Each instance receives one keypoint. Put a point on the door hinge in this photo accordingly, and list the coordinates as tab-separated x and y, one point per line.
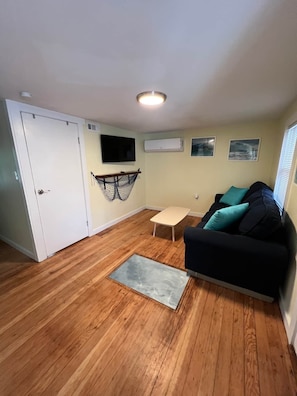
78	140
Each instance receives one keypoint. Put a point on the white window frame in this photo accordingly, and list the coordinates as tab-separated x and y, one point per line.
285	165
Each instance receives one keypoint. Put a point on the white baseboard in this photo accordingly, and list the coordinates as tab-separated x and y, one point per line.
115	221
196	214
159	208
18	247
285	318
289	322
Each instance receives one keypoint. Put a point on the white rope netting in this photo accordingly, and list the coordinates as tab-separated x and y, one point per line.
118	186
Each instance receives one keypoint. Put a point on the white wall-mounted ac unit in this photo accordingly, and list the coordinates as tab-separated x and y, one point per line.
159	145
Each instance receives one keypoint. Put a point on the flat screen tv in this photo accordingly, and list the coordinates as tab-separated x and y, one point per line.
117	148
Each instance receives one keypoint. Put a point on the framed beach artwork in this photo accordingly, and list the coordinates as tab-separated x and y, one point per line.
244	149
203	146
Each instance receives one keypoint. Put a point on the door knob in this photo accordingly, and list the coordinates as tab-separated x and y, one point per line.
40	192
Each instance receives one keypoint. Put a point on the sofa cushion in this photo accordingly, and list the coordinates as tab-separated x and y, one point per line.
262	218
223	218
215	206
257	186
233	196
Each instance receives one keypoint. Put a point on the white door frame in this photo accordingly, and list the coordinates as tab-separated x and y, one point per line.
14	110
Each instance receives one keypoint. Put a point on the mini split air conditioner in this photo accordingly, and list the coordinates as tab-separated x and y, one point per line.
175	144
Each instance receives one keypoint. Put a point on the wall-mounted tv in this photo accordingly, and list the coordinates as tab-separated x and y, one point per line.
117	148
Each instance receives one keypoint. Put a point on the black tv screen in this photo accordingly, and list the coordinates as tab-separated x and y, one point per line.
117	148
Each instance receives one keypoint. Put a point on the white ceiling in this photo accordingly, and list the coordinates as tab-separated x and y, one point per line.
217	61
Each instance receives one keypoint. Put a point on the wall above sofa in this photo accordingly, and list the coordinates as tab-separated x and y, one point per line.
174	178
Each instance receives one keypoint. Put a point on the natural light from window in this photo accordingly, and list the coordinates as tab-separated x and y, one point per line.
285	164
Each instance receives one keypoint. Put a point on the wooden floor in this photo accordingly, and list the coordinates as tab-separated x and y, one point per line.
66	329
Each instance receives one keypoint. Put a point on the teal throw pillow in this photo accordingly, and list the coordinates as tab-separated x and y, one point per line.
223	218
233	196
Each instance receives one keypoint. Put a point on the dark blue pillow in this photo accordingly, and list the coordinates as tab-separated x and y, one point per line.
262	218
257	186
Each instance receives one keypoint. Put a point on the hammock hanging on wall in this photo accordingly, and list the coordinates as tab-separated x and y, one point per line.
117	185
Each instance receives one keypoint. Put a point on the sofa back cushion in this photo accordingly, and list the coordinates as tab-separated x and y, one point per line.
257	186
262	218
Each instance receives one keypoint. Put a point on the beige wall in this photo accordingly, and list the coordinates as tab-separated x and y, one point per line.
104	212
174	178
289	292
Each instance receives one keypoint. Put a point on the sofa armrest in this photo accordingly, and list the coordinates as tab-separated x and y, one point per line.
218	197
236	259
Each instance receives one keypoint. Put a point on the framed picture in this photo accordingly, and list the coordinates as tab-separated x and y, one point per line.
203	146
244	149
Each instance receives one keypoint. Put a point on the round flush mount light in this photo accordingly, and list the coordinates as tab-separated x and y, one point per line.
25	94
151	98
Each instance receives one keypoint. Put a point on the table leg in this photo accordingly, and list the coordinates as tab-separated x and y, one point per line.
154	232
173	236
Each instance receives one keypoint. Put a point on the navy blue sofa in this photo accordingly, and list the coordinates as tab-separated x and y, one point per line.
251	255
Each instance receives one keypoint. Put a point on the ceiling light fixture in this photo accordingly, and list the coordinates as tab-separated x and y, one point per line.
151	98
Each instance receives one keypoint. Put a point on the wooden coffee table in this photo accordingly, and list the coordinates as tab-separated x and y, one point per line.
170	216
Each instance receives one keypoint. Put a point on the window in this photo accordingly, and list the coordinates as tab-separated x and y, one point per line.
284	166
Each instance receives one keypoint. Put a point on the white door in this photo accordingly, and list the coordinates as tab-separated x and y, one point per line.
53	148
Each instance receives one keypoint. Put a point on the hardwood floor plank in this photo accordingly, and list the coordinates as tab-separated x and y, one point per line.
194	376
145	346
76	324
27	302
67	329
68	369
252	386
283	379
173	370
100	360
237	367
208	373
223	366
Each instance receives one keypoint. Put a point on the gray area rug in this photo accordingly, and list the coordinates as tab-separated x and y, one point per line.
155	280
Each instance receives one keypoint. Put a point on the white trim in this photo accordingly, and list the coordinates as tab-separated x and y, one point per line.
126	216
85	173
117	220
285	318
14	110
18	247
290	321
160	208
